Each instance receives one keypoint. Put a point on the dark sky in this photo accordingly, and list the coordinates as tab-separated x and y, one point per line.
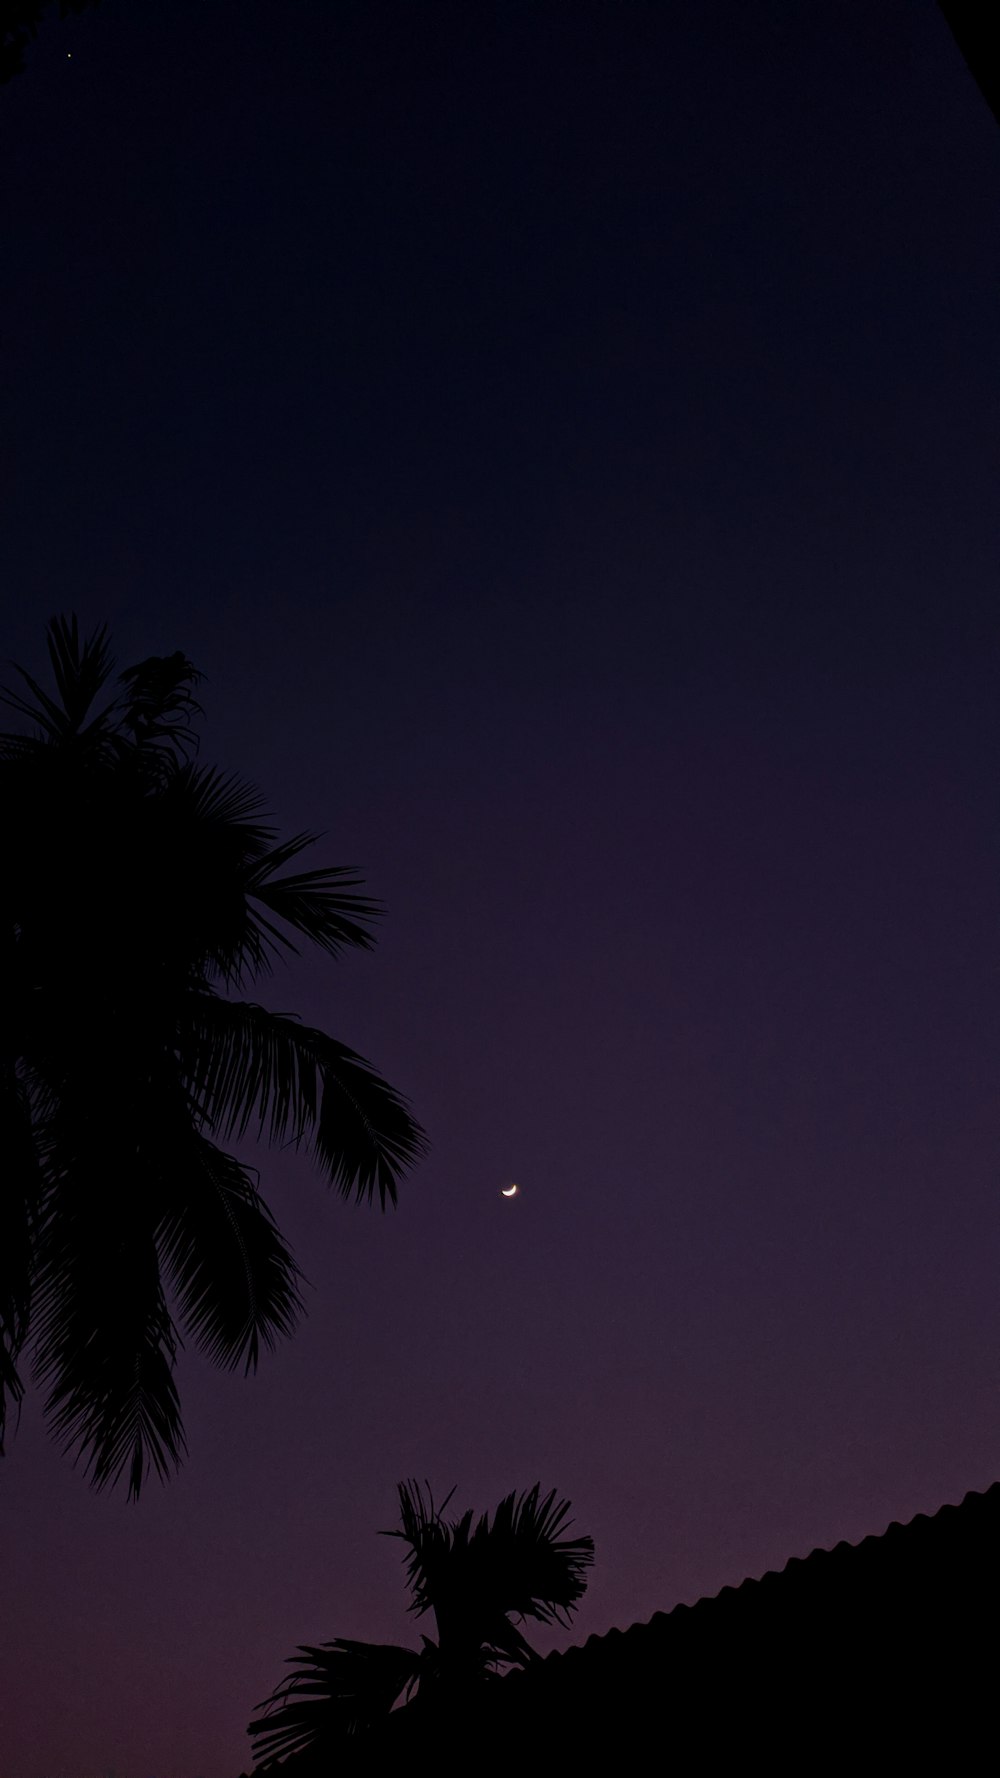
566	437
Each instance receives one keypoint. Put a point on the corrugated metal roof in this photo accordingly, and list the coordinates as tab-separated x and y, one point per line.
889	1638
952	1549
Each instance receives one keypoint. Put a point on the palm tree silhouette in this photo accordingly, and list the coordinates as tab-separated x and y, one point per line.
475	1576
141	892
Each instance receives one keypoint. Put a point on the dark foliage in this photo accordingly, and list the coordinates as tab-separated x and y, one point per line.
19	22
475	1576
142	892
974	28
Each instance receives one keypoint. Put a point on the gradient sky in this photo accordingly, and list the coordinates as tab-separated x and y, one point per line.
565	435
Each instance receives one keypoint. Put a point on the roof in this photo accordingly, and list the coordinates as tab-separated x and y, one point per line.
899	1629
902	1574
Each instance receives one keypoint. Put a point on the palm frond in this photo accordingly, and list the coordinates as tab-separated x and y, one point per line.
524	1562
253	1066
44	712
475	1574
502	1645
104	1341
136	885
336	1691
20	1205
246	1068
365	1136
80	670
159	703
234	1276
319	905
453	1568
429	1539
222	800
250	913
16	748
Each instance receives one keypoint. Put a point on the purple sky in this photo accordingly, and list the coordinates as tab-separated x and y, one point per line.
565	436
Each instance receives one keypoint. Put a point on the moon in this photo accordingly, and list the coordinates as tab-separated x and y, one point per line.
508	1191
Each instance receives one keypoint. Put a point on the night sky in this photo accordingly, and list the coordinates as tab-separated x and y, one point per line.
565	435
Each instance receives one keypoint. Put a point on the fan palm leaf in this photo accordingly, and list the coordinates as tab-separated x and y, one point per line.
519	1559
474	1575
336	1690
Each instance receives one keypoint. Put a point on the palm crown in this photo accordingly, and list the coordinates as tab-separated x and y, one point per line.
475	1576
143	894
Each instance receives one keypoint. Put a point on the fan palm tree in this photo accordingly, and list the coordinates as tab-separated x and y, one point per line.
476	1576
142	894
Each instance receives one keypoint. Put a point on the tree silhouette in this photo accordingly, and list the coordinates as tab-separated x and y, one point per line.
19	22
475	1576
970	24
142	891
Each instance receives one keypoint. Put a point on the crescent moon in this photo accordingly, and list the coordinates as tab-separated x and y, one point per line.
508	1191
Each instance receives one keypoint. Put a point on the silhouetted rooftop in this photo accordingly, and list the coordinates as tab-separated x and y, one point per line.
894	1637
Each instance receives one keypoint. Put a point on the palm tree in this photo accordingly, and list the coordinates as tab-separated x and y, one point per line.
142	893
475	1576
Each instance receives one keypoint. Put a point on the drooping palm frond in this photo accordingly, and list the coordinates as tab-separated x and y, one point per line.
137	885
365	1136
104	1340
252	1067
336	1691
235	1278
20	1206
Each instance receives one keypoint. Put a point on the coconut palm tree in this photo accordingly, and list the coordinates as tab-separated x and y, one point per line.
142	893
475	1576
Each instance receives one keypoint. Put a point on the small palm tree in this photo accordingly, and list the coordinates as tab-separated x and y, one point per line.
141	893
475	1576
